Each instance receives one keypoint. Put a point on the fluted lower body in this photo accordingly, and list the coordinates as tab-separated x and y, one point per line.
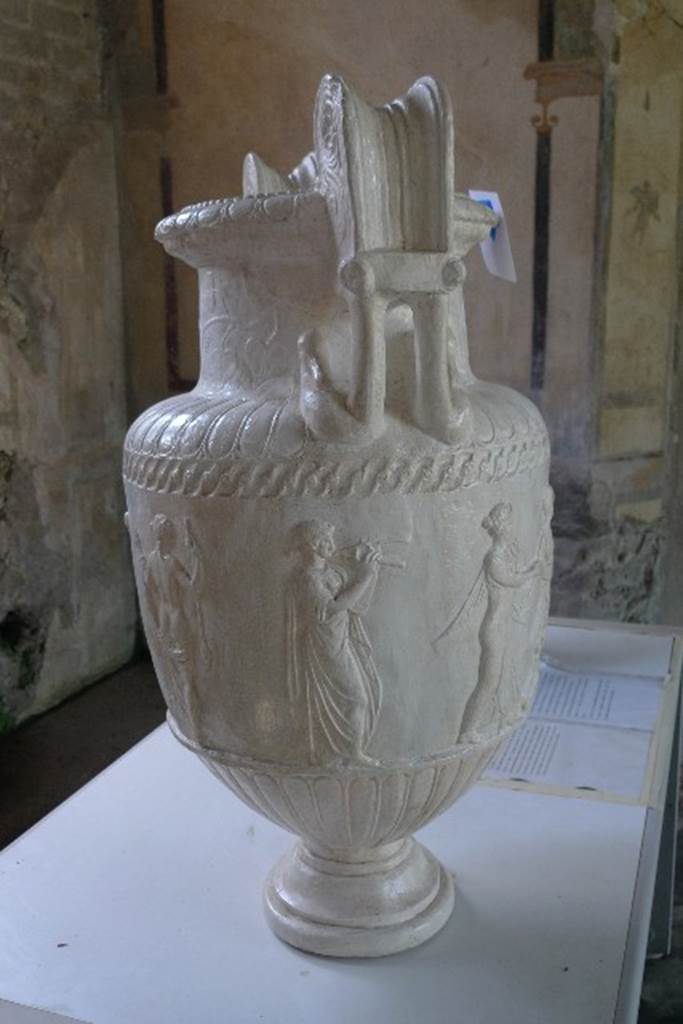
357	884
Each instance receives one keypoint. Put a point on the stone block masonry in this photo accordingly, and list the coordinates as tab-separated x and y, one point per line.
67	611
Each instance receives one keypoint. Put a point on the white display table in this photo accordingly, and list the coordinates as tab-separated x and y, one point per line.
138	900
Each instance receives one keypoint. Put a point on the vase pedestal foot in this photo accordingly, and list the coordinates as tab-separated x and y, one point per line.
358	903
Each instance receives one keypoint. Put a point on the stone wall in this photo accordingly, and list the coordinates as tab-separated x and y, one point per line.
67	610
619	518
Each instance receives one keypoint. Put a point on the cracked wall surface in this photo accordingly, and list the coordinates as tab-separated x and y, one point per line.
67	610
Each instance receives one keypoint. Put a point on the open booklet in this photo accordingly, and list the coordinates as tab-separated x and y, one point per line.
585	731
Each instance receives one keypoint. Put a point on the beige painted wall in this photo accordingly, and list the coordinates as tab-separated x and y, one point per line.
567	401
642	283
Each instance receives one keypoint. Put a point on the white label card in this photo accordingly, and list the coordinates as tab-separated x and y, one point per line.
585	730
496	248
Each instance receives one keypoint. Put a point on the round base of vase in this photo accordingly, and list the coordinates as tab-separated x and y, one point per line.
370	903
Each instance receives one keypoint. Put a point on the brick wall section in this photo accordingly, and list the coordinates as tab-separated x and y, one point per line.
67	612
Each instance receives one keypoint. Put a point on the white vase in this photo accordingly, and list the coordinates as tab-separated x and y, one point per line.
341	537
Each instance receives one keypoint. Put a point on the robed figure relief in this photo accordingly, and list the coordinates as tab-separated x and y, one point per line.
497	585
537	617
530	611
172	581
331	672
544	573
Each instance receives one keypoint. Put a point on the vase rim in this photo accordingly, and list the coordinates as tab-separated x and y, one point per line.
241	211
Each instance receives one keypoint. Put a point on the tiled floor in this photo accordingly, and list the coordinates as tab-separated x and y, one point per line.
48	759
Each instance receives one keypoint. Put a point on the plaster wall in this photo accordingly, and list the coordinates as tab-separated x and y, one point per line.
67	610
624	556
642	283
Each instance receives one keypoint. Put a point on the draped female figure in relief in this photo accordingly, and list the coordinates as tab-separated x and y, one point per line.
544	560
329	658
497	583
502	576
171	581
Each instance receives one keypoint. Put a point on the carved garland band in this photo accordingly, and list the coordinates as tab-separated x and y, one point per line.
295	478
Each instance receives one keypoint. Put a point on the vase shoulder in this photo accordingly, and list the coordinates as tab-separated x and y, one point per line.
258	446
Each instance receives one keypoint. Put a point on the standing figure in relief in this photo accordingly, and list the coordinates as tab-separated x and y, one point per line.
171	585
329	656
502	578
498	581
530	612
544	572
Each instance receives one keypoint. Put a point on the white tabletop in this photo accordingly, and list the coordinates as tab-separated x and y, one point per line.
138	902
